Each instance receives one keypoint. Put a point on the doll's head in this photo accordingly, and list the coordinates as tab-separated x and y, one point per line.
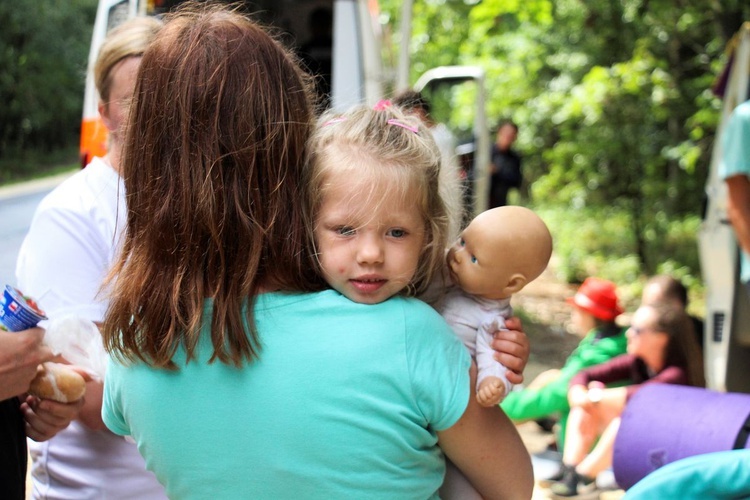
379	223
500	251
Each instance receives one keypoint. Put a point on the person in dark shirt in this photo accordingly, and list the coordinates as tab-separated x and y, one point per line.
505	166
317	53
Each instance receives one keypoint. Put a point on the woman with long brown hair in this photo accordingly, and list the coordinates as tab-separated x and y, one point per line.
233	369
662	348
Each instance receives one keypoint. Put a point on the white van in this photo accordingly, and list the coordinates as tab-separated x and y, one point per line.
727	325
351	47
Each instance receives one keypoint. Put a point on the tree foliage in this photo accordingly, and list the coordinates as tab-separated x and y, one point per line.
613	99
43	52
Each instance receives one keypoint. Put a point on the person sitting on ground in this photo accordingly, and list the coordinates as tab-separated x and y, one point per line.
661	349
665	288
595	307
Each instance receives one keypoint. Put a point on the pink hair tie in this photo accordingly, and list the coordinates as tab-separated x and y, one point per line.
334	120
397	123
382	104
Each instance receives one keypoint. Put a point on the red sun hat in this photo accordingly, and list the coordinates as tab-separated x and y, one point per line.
597	297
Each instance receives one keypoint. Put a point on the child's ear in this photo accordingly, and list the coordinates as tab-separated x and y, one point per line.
515	283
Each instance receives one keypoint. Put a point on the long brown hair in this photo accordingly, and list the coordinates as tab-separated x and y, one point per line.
682	349
215	145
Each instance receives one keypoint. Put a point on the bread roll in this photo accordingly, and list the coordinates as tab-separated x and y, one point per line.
57	382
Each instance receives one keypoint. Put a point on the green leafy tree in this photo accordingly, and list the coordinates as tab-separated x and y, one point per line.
43	53
613	99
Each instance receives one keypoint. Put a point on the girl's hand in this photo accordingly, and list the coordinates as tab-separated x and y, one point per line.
512	349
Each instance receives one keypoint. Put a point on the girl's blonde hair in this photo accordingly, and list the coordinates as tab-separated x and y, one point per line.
382	148
130	39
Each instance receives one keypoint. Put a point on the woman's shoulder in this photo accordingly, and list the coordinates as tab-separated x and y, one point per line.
92	187
408	313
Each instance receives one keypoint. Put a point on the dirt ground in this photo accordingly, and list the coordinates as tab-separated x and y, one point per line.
546	314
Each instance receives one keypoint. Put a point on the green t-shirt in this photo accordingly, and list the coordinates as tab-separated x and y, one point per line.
344	402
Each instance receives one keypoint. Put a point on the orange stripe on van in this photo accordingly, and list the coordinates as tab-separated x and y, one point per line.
93	139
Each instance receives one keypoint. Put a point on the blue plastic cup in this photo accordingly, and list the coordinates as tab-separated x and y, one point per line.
16	313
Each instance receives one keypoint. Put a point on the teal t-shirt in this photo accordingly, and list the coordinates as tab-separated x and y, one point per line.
717	475
344	402
735	160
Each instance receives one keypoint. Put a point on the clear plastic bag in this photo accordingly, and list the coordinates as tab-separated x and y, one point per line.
79	341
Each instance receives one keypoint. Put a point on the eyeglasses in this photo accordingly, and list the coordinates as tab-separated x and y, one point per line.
638	331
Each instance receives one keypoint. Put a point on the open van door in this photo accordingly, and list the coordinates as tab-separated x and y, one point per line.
727	325
457	99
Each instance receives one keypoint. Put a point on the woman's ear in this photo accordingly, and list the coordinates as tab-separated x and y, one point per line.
103	109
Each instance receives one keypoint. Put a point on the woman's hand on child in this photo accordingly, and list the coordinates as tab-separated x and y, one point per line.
512	349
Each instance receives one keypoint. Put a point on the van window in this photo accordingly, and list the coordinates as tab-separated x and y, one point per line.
305	26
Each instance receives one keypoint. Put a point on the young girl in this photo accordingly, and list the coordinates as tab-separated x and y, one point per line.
379	221
233	377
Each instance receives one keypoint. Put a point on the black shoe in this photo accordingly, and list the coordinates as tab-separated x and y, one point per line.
554	478
546	423
573	484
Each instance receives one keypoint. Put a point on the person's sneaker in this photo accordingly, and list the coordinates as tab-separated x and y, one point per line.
546	423
557	476
573	485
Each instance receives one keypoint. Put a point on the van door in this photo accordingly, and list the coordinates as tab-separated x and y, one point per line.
727	325
457	98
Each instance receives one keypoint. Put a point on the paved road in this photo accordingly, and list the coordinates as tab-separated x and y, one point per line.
17	205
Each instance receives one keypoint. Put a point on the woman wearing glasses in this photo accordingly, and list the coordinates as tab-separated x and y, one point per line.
661	349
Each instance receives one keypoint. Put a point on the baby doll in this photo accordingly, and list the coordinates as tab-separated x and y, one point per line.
500	251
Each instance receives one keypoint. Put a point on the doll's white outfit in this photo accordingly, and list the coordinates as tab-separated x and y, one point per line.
474	320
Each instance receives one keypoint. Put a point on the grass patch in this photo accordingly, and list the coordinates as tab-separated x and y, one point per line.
33	165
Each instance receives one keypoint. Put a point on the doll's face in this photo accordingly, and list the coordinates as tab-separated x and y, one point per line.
476	265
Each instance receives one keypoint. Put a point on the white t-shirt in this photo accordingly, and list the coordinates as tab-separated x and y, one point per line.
71	244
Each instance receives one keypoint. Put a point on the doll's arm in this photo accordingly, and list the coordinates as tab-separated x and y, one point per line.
492	382
512	349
